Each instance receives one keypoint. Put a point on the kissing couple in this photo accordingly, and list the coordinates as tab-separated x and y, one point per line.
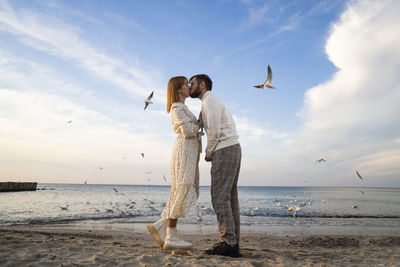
223	151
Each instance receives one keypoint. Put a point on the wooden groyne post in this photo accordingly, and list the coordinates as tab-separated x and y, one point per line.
17	186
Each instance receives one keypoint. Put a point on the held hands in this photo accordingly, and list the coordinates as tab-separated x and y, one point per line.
200	120
200	123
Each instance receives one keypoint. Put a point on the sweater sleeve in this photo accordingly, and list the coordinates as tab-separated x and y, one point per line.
212	113
182	123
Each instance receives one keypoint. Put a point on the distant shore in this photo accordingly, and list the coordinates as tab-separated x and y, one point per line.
17	186
60	246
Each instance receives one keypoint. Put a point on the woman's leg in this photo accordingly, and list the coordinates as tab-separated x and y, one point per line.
172	222
172	241
159	230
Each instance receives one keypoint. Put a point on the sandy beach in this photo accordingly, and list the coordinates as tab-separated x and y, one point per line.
42	246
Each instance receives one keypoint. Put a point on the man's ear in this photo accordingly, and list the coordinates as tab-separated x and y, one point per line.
202	84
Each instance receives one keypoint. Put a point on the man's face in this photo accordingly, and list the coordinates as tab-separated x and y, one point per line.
194	89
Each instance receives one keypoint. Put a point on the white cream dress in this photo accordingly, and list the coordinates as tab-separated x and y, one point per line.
184	166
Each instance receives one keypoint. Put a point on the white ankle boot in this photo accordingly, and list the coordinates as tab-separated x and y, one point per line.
159	230
172	241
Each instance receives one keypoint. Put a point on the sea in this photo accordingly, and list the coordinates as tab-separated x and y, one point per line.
264	209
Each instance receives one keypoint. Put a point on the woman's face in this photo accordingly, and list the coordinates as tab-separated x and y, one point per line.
184	90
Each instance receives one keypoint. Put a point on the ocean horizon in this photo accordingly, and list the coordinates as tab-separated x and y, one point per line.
261	207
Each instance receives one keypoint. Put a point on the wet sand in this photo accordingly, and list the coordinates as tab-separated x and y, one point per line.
49	246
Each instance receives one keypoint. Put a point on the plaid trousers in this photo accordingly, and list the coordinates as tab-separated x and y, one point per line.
225	168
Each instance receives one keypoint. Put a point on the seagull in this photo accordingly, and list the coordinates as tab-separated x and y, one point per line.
117	192
280	206
64	208
123	157
100	167
275	200
267	83
319	160
354	206
148	100
85	181
294	208
302	204
165	179
251	213
69	121
149	172
362	192
359	176
142	155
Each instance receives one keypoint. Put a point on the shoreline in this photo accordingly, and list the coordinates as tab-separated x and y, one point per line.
46	246
206	229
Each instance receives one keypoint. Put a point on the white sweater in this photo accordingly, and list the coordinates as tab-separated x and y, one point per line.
218	123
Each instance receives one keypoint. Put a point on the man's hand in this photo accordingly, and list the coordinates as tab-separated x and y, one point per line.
208	159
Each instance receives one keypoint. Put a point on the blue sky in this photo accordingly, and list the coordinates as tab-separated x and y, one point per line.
335	66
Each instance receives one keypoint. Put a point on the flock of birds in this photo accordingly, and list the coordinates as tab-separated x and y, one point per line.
147	102
290	207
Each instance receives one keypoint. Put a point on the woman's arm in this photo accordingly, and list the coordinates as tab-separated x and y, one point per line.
183	124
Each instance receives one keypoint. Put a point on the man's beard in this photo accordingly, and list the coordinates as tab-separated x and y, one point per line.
195	93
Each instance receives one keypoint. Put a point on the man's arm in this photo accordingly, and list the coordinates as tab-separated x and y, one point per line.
212	112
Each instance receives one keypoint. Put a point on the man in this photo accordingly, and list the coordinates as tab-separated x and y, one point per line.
224	152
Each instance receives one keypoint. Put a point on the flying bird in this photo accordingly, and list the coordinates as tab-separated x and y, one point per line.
142	155
100	167
149	172
320	160
267	83
147	101
165	179
296	208
117	192
64	208
69	121
359	176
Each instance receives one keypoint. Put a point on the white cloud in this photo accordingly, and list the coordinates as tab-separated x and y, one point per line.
57	38
252	130
353	118
35	130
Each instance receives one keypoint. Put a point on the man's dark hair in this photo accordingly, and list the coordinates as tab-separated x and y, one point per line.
203	78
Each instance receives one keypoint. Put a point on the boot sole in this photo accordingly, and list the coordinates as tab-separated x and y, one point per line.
153	231
166	246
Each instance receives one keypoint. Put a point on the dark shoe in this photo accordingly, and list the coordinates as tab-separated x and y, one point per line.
224	249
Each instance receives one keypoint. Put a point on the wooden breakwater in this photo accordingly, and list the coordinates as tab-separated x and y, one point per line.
17	186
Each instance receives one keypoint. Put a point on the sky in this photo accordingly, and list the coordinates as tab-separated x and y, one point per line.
335	67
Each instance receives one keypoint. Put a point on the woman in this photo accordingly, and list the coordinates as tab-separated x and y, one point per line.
184	167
